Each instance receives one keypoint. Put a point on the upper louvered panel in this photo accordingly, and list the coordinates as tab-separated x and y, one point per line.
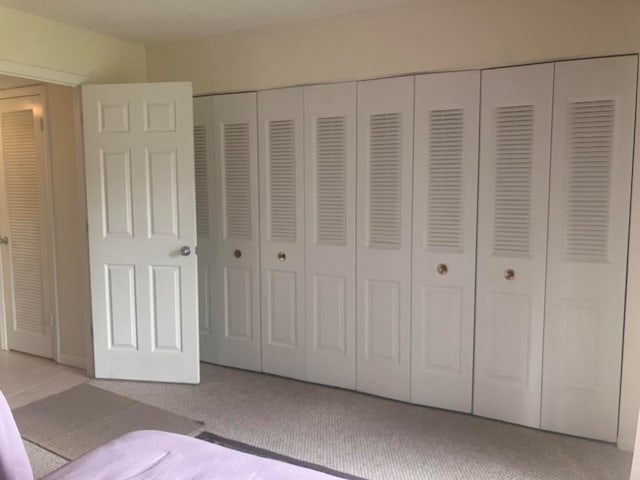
590	146
513	187
385	177
331	180
282	180
445	215
237	181
202	185
23	201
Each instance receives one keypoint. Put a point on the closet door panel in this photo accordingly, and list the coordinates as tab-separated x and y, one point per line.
592	155
280	119
206	223
385	144
512	240
444	238
330	233
236	299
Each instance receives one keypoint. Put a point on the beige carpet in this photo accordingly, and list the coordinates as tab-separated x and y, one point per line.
82	418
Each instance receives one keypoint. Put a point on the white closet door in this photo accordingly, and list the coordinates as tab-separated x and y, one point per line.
444	238
205	222
593	130
512	238
280	117
385	158
330	224
236	282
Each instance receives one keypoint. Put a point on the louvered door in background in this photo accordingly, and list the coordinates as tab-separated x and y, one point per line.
281	152
26	261
236	298
385	144
593	130
445	178
206	224
330	224
512	238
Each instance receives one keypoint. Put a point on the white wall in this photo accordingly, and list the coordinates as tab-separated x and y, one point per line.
69	211
421	36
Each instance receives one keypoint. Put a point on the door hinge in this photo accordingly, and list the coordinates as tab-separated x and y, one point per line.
41	124
196	249
51	320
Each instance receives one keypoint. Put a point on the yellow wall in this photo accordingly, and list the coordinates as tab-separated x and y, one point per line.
29	41
425	36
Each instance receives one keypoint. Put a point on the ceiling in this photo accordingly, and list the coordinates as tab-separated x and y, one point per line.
165	21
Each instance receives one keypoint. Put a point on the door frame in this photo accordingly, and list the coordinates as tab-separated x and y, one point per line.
50	269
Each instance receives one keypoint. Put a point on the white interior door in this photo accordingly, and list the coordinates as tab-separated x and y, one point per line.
330	222
512	239
139	156
206	223
281	152
385	160
26	266
593	131
445	179
236	299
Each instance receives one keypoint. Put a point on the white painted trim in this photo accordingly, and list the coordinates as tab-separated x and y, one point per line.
41	74
72	361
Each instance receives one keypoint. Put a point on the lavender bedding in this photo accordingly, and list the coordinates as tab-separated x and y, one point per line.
159	455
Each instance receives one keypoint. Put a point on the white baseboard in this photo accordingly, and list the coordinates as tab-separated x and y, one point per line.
626	444
72	361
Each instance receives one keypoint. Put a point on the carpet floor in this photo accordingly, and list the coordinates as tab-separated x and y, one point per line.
372	437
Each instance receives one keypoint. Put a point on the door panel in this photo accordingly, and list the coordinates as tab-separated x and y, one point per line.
512	242
206	223
236	277
444	238
385	141
281	152
592	155
139	146
330	225
26	274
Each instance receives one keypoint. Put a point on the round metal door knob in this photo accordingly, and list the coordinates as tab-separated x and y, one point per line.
282	256
185	251
442	269
510	274
237	253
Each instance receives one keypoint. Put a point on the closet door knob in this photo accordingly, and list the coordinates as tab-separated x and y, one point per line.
510	274
185	251
282	256
237	253
442	269
4	240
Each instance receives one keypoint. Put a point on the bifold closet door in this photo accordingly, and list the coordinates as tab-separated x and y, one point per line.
385	158
206	223
236	280
330	223
593	131
512	238
445	179
281	151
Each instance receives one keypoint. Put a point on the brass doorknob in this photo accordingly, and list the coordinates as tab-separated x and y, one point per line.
442	269
237	253
510	274
282	256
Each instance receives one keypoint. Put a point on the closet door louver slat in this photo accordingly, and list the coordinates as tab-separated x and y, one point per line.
444	230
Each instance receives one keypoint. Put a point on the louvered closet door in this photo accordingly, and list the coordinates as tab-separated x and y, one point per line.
444	238
330	224
236	282
385	144
26	276
205	222
280	117
593	130
512	239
